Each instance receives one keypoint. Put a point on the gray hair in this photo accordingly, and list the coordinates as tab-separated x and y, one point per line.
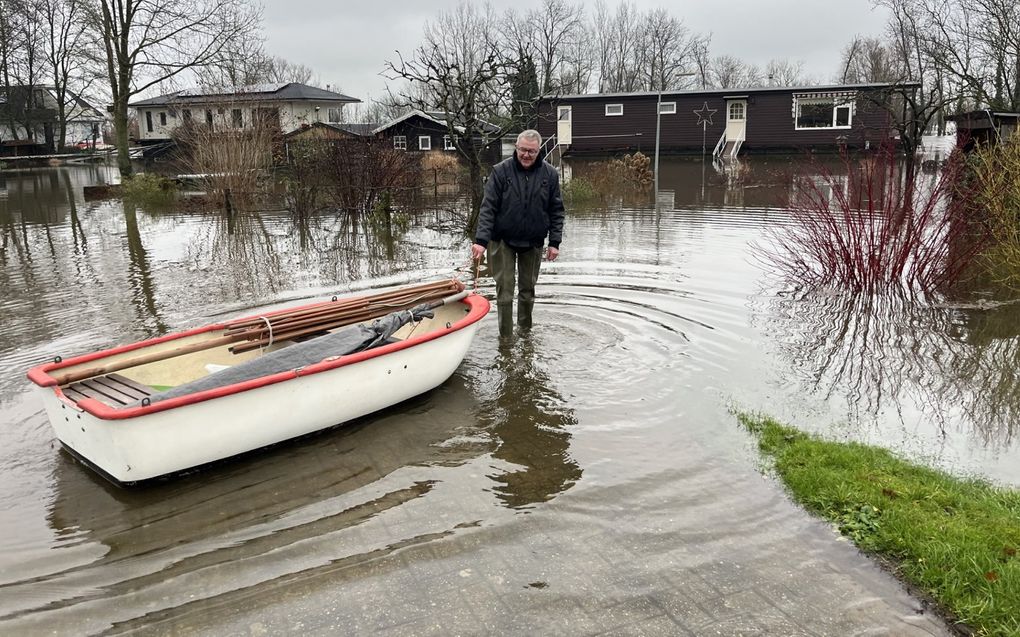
531	135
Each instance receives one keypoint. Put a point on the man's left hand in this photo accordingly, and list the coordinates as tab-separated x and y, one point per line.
552	253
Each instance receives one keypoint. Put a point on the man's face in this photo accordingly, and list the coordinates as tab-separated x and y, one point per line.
527	152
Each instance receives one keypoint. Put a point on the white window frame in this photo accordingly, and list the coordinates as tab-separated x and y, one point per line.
667	108
732	106
424	142
334	115
611	110
400	142
448	143
838	103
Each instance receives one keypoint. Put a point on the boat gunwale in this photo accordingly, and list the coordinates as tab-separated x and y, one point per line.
40	375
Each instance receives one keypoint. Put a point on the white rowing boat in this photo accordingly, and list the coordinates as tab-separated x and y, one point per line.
172	403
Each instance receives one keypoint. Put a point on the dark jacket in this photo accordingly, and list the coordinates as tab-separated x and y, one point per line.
521	207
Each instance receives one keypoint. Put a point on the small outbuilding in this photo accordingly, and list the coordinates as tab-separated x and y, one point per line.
985	127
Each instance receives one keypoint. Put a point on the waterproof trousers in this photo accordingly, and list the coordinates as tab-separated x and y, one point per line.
508	266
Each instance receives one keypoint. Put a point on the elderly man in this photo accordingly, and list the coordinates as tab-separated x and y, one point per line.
521	207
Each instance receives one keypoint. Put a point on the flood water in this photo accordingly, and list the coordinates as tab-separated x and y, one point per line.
588	478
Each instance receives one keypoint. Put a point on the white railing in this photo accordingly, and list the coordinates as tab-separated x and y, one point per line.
549	146
719	147
736	148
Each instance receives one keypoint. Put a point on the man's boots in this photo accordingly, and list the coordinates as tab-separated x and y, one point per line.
524	309
505	314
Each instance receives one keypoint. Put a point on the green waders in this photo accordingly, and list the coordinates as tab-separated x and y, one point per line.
508	265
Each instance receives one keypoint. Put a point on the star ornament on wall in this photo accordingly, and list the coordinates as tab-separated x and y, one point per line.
705	115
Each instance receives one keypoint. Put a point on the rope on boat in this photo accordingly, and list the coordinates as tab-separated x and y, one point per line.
269	326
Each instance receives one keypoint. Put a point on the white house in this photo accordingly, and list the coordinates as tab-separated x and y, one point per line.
286	105
36	108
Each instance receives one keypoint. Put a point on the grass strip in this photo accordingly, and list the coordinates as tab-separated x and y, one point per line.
956	539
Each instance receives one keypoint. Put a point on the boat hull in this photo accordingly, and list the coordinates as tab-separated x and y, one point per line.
158	442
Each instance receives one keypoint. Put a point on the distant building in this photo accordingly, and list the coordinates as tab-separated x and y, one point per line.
33	112
985	127
285	106
426	131
723	122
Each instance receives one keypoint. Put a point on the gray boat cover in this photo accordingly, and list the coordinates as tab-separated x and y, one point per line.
349	340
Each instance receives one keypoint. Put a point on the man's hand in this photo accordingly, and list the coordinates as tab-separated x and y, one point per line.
477	250
552	253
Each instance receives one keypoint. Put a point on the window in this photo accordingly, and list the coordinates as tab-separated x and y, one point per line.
400	142
448	143
186	114
736	111
614	109
162	119
830	111
667	108
334	115
424	142
236	118
148	121
208	118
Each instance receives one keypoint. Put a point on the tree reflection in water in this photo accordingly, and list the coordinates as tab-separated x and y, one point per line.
270	251
954	360
530	422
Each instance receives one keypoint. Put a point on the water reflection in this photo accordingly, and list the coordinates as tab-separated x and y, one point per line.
954	360
117	553
143	293
531	423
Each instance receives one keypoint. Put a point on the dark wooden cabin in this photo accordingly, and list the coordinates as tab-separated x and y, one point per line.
421	131
985	127
727	122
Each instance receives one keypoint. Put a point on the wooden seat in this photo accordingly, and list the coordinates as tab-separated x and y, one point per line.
113	390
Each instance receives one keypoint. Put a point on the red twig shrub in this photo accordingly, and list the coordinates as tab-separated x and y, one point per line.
876	227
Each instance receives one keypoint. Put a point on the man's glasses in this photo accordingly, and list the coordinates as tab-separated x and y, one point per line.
527	152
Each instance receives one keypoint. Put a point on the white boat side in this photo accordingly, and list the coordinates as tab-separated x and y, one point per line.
140	443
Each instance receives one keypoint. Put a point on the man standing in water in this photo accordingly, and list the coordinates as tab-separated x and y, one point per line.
522	205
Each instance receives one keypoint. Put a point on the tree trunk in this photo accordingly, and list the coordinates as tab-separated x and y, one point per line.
120	127
477	192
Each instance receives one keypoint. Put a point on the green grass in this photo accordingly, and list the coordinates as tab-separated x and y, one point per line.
956	539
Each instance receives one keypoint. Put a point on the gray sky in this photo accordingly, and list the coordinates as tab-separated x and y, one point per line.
346	43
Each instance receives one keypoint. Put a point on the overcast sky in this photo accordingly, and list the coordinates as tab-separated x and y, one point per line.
347	42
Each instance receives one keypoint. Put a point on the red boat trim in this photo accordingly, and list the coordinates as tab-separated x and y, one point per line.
479	307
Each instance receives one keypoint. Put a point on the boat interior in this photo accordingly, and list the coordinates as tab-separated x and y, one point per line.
125	378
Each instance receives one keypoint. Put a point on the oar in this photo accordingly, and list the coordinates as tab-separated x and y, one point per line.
244	338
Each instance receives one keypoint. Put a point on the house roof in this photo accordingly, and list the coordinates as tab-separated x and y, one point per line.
280	92
737	91
361	130
78	110
437	117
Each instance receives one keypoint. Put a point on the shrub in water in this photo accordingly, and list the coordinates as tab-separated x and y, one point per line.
876	229
146	188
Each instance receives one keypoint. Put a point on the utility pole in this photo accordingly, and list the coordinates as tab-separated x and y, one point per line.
658	127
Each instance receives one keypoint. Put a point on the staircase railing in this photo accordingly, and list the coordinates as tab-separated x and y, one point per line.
549	146
719	147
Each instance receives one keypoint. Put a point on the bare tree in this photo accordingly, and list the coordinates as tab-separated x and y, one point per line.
668	51
463	71
70	51
623	48
553	26
153	41
727	71
783	72
21	48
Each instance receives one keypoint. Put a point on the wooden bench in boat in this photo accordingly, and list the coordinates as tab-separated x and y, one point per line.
112	389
